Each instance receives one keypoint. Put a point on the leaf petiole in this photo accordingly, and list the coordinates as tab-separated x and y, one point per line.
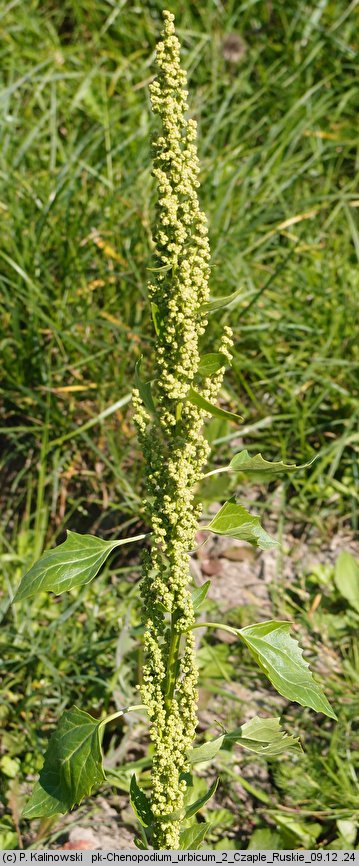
220	625
120	713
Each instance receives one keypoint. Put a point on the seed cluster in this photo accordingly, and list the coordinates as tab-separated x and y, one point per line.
172	440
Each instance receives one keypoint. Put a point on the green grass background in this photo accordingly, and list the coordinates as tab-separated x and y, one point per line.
278	143
278	146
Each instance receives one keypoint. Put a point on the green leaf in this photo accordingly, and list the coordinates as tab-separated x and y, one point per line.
211	363
188	778
243	462
145	389
264	839
199	594
198	804
155	317
206	751
8	836
218	303
234	520
197	400
281	659
224	843
73	563
346	578
161	269
140	804
264	737
348	828
140	843
290	826
72	767
191	838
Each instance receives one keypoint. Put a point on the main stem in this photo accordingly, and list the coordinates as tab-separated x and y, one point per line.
174	446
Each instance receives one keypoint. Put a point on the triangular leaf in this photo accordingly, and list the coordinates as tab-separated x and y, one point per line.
264	737
144	388
218	303
191	838
346	577
197	400
73	563
234	520
281	659
140	804
211	363
206	751
195	807
72	767
199	594
243	462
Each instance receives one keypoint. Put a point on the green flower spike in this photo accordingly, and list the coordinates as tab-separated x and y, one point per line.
172	440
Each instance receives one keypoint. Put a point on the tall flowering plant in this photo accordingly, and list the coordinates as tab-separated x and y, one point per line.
172	438
170	412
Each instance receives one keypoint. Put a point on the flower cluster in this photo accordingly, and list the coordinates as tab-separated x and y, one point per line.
172	440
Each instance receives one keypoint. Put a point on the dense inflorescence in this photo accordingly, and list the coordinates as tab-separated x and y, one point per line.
172	440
